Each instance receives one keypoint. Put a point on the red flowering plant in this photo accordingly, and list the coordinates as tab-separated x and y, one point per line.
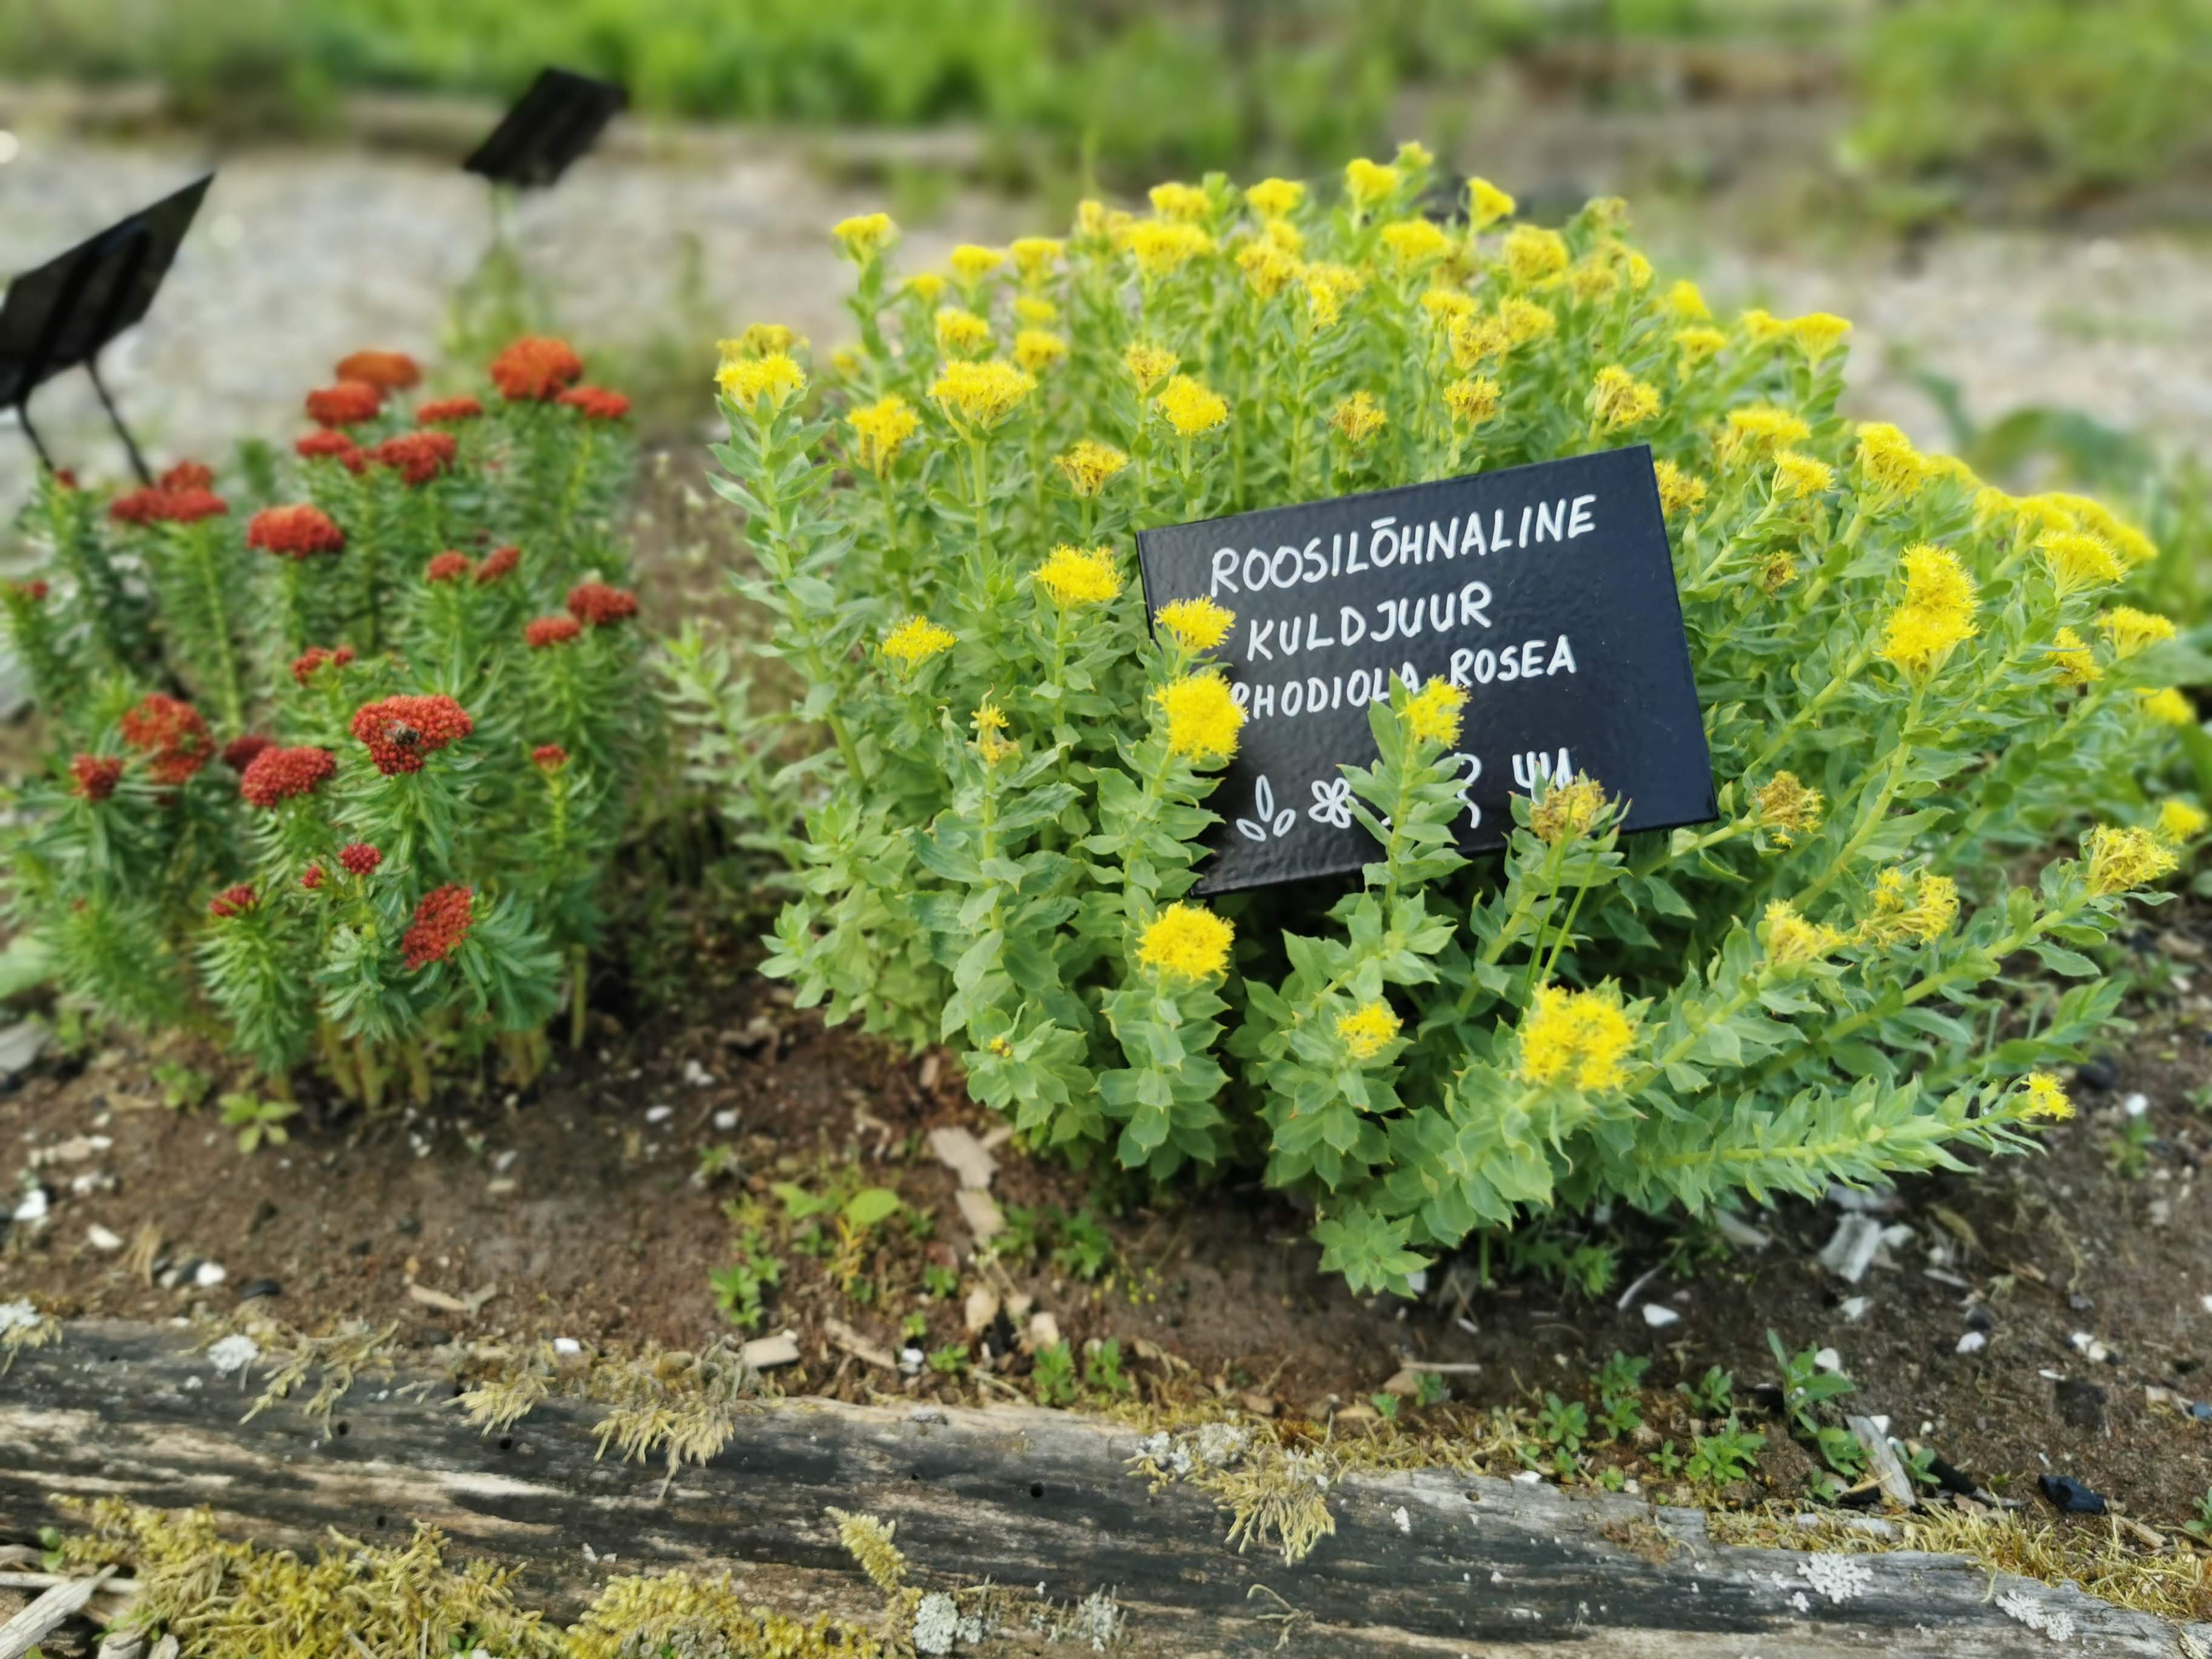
338	773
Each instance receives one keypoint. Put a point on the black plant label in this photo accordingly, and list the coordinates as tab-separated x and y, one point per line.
1547	592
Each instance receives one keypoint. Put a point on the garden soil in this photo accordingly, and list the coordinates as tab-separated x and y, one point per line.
574	1209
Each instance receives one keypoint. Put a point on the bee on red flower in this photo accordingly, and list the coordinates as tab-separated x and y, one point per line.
349	403
187	475
238	754
312	877
96	776
161	505
232	901
417	457
279	774
448	567
535	369
596	403
323	444
388	371
597	603
544	631
441	922
549	757
295	532
447	411
315	656
359	857
399	731
499	561
170	734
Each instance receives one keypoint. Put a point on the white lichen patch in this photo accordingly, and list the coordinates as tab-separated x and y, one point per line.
1096	1622
1404	1521
233	1354
936	1623
17	1315
2056	1623
1838	1578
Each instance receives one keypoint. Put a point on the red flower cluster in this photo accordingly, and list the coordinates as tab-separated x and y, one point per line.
238	754
331	446
305	665
598	605
233	901
187	475
159	504
280	774
448	567
35	590
400	731
359	857
417	457
388	371
346	403
596	403
542	631
549	757
312	877
96	776
441	922
447	411
499	561
295	532
170	734
535	369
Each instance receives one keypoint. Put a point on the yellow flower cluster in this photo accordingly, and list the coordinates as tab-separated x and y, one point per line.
760	340
1186	941
1472	400
1817	333
1797	476
1413	243
982	395
991	739
1789	937
1936	616
881	428
753	383
1532	254
1356	419
972	264
1369	183
1090	465
1576	1036
1268	269
1190	409
1196	624
1162	247
1911	907
2076	663
1567	809
2042	1096
1148	365
1184	202
1276	198
1327	289
2122	860
915	640
1038	349
864	237
1756	431
1620	400
2179	821
1698	344
1789	807
1079	575
1679	492
2130	630
962	333
1486	204
1432	714
2168	706
1202	718
1034	257
2079	558
1368	1030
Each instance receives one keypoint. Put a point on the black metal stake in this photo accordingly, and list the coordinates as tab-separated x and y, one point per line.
23	415
137	461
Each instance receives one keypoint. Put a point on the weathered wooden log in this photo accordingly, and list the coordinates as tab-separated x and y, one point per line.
1429	1563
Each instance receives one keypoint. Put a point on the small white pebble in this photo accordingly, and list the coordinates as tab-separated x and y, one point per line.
100	1239
210	1274
2136	1105
1528	1478
1828	1360
33	1207
1658	1316
658	1113
725	1120
1854	1308
1972	1342
567	1345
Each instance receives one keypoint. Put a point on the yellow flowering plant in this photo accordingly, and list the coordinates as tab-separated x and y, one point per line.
1912	685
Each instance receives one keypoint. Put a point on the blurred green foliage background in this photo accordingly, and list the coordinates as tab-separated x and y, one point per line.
2075	96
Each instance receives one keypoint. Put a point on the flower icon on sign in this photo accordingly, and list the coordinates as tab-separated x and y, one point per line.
1332	802
1271	824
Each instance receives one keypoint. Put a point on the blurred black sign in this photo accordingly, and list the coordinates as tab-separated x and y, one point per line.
560	118
1545	592
60	315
